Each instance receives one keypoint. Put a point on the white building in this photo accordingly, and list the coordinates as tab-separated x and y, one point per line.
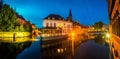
56	22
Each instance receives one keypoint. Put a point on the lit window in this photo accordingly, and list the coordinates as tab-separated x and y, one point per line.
50	24
54	24
47	24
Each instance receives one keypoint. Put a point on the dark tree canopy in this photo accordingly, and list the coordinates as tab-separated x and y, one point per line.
98	25
8	19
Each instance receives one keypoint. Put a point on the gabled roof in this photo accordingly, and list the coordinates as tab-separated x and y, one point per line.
20	16
55	16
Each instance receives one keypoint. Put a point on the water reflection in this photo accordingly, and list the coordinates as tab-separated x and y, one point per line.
77	47
62	49
11	50
99	40
59	51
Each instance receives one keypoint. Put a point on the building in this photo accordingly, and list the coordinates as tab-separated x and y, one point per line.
114	27
105	27
76	28
54	25
21	20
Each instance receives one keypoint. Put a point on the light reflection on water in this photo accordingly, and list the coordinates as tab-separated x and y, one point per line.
83	48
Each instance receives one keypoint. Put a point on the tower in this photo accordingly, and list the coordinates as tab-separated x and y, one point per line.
69	18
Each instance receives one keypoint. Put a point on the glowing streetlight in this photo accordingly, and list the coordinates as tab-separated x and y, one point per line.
108	35
72	34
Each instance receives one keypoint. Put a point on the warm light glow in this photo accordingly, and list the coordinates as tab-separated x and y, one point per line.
58	50
60	25
72	34
61	50
43	35
48	34
107	35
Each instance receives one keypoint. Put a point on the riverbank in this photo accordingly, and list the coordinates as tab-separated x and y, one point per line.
14	34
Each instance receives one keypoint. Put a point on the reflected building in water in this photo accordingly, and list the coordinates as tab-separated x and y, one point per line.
65	49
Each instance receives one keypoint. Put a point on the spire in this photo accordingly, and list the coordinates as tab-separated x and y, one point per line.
69	18
70	13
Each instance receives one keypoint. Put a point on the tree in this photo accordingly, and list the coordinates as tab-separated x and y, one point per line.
98	25
8	19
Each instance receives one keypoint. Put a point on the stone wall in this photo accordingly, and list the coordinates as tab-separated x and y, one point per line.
14	34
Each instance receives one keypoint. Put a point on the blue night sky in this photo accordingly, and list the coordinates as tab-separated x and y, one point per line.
85	11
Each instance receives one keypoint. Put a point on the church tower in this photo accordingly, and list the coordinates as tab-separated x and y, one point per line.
69	18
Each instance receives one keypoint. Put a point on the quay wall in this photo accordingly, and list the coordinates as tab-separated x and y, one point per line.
14	34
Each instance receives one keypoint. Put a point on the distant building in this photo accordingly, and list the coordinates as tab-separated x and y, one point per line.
21	20
114	27
55	24
76	27
105	27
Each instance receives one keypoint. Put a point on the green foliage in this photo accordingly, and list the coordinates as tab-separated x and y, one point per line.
9	23
98	25
8	18
28	28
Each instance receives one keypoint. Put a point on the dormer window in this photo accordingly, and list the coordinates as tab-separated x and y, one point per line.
48	17
53	18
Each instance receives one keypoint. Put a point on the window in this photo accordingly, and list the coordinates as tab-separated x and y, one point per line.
53	18
50	24
47	24
54	24
117	12
113	3
119	1
48	17
116	53
68	26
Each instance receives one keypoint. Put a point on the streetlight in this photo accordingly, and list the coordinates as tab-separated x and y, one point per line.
108	37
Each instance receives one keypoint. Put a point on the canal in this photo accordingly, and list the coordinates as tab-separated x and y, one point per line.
81	47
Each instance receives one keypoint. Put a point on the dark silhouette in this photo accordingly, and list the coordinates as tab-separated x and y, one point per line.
14	37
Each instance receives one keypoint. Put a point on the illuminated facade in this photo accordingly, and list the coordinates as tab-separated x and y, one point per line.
114	27
54	25
77	28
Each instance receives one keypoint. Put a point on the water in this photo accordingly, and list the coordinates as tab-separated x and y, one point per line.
66	49
33	52
91	50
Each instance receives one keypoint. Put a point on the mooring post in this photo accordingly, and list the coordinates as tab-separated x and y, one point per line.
14	37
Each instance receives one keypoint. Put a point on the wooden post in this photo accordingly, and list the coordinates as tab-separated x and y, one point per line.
14	37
